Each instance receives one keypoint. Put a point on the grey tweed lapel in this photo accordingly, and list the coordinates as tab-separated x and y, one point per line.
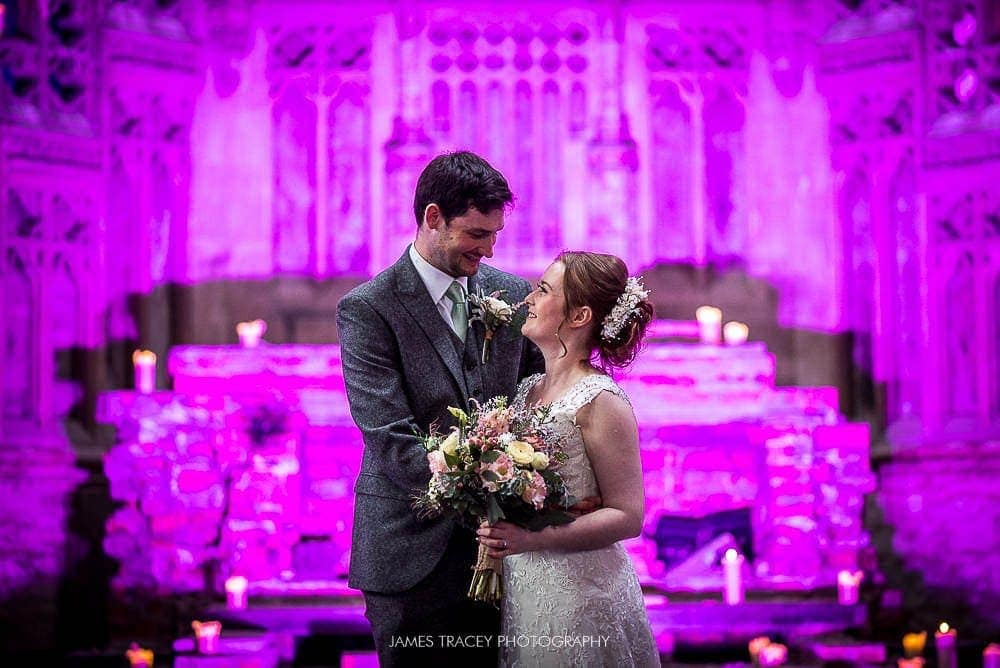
476	331
415	299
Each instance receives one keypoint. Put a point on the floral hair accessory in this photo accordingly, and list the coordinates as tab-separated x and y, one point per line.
625	308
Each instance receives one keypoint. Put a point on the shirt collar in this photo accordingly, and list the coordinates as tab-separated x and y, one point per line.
436	281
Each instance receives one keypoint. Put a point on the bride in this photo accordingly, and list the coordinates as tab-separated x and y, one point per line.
571	595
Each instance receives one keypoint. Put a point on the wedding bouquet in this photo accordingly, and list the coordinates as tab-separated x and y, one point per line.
495	464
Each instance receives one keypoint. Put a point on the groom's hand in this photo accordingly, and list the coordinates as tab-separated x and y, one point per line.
584	506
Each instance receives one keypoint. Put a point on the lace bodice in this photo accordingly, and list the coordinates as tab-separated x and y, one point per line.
574	608
576	472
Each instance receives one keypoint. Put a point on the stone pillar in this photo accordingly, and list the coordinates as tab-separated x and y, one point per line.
612	159
409	148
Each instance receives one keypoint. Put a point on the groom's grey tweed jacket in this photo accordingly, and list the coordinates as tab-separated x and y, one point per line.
403	367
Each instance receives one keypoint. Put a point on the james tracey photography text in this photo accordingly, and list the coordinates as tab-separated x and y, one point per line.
469	641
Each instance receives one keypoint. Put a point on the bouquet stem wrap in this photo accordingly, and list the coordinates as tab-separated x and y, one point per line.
487	579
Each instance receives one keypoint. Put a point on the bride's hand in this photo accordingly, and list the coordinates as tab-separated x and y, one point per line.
504	539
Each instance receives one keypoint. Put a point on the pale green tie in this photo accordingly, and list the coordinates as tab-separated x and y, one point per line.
459	309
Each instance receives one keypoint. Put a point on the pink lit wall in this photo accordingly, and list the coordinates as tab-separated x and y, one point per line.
845	152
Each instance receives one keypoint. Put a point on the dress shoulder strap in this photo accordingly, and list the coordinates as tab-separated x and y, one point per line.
587	388
525	386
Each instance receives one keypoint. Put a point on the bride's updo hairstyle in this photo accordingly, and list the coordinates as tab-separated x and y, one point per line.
620	308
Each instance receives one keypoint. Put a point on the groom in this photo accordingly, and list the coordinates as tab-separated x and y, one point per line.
408	354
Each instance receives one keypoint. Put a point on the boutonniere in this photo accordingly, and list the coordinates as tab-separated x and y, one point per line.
494	312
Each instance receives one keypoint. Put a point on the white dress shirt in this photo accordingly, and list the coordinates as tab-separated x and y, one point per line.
437	283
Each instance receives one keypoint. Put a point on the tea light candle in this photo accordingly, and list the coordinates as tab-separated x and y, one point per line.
139	657
145	370
236	592
774	654
945	639
991	656
709	324
756	645
735	333
251	332
913	644
848	586
207	635
732	567
914	662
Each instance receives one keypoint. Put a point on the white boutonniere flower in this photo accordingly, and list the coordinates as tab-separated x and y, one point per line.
493	312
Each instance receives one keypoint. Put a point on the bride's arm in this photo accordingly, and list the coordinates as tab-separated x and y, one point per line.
612	440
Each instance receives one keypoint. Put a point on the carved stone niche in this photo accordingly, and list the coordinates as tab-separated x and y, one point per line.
953	219
20	94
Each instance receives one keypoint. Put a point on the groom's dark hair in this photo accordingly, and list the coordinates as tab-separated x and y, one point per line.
457	182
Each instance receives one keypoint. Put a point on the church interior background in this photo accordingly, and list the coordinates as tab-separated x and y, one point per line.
824	171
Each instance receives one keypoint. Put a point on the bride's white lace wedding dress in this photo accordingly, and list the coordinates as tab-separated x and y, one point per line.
574	608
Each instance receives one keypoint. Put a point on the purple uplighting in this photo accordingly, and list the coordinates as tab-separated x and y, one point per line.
188	188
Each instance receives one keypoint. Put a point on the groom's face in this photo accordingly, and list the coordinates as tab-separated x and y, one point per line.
458	246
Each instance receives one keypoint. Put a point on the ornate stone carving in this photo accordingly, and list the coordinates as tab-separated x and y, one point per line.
349	48
20	341
24	214
20	92
960	324
696	48
872	115
953	221
552	47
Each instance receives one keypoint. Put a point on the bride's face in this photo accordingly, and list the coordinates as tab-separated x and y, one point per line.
546	305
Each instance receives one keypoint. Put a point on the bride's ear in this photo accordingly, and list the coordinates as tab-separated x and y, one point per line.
581	316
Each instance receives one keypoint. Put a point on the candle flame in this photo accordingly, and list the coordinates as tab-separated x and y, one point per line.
203	629
850	577
143	357
735	333
137	656
731	555
236	583
757	644
944	627
708	314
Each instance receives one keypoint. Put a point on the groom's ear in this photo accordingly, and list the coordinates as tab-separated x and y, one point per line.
432	216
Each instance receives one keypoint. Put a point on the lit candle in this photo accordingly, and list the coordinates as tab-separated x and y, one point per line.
755	646
145	370
732	567
138	657
913	644
709	324
848	586
735	333
945	638
251	332
207	634
774	654
991	656
236	592
914	662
